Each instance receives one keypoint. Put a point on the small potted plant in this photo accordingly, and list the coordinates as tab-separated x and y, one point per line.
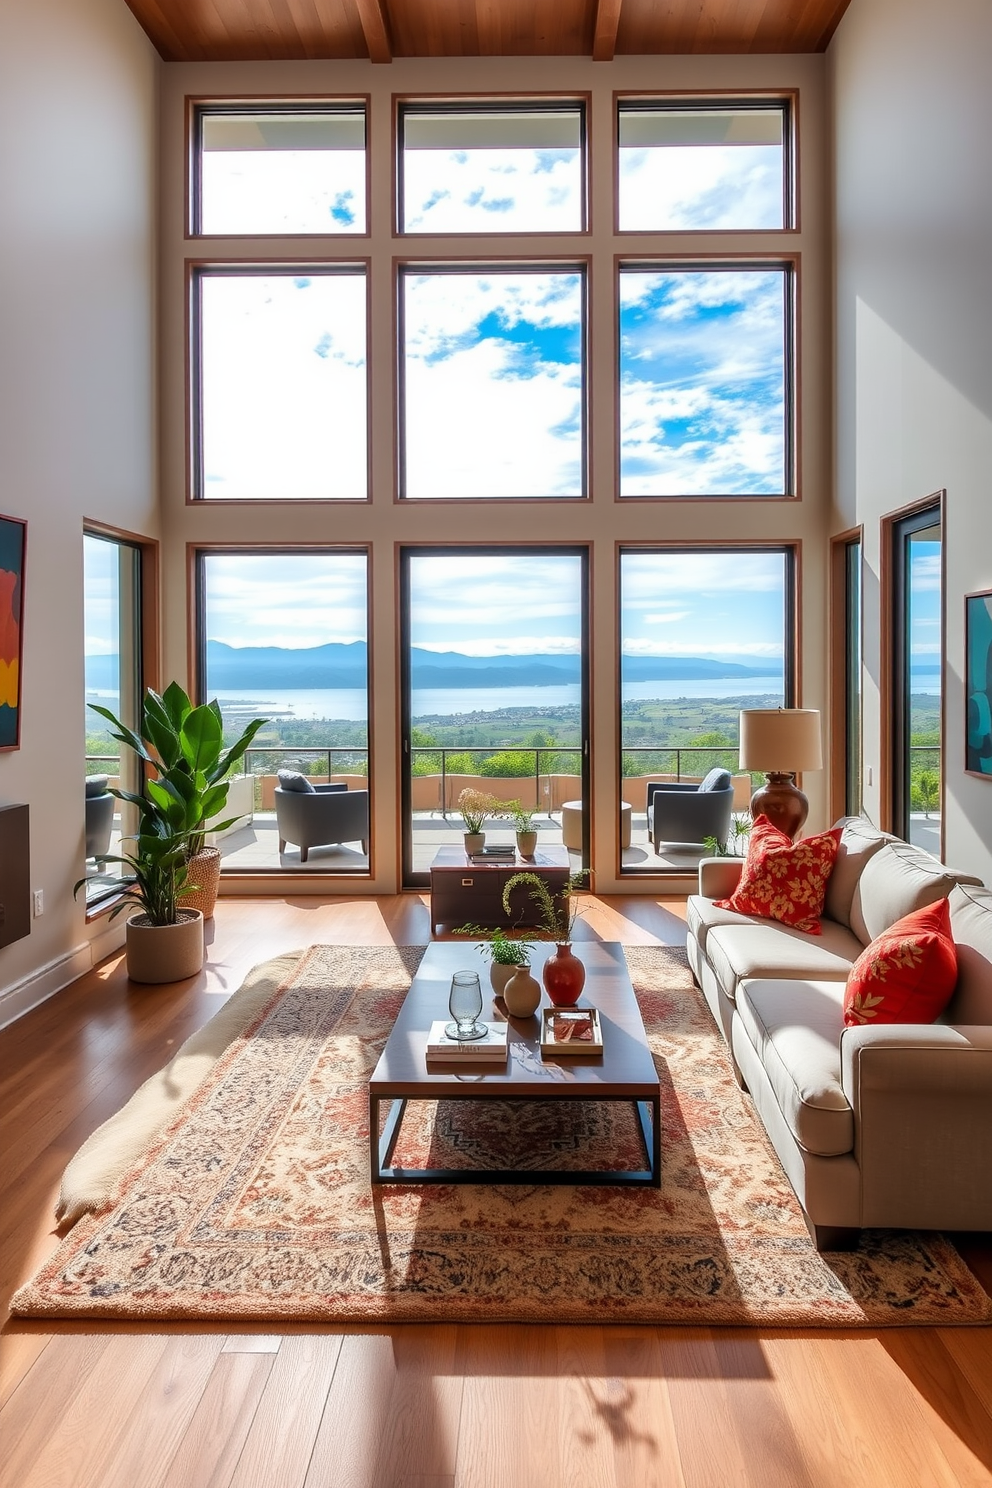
476	808
564	975
509	971
523	823
164	942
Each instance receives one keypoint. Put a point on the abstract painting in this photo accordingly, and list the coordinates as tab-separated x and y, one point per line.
12	542
978	683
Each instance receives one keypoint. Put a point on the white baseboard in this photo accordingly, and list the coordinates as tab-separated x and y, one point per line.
40	985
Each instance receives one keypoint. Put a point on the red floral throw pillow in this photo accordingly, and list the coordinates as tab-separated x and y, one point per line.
785	880
907	974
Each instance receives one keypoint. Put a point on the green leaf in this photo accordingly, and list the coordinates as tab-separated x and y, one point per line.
177	705
201	738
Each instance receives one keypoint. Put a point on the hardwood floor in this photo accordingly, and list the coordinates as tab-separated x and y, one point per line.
163	1406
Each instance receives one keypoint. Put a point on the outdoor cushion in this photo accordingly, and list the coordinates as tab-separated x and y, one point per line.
767	949
292	780
795	1027
717	779
907	974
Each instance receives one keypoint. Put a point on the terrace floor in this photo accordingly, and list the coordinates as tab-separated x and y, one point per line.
256	847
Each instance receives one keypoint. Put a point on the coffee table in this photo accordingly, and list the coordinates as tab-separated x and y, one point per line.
624	1071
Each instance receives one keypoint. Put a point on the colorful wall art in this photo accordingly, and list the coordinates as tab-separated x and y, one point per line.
12	543
978	662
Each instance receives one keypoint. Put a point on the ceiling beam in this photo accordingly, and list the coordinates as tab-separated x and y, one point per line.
604	39
372	15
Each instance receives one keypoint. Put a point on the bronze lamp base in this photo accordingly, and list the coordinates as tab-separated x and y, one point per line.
781	800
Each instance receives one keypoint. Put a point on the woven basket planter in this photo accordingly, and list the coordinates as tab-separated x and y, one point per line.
204	871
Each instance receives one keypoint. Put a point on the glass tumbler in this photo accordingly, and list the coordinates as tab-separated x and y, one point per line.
465	1005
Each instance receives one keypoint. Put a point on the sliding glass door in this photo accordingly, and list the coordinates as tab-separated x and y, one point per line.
494	698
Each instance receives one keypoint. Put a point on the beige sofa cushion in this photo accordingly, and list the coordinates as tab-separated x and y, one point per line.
971	926
794	1027
701	915
896	880
859	840
767	949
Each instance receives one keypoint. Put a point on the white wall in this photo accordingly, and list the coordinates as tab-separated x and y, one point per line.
911	86
78	98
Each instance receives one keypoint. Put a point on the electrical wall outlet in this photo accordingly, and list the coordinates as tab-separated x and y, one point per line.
39	902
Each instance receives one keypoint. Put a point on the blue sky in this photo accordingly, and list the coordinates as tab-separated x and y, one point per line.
723	604
493	384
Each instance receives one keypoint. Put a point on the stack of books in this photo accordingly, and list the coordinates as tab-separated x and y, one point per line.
492	1048
498	853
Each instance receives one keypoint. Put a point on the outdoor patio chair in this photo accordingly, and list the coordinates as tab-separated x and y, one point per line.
687	814
321	816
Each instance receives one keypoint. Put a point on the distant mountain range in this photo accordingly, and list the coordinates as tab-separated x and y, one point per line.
257	668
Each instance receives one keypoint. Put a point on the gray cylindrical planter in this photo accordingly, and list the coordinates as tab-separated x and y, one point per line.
165	953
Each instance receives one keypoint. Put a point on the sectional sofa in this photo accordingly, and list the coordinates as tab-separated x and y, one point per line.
887	1126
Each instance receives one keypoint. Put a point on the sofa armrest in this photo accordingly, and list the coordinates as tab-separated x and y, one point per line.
922	1102
915	1058
719	877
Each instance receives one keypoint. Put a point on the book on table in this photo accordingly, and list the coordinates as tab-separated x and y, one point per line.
492	1048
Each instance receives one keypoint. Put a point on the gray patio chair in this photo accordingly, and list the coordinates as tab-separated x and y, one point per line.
321	816
687	814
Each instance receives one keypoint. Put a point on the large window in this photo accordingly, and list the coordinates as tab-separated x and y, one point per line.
494	668
112	645
688	167
704	632
704	381
279	170
493	382
491	168
284	636
282	392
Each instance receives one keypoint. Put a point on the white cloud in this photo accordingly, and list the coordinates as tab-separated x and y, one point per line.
278	191
711	186
291	600
492	191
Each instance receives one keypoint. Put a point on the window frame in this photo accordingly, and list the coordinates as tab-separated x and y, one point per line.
791	268
791	551
402	266
287	103
196	271
196	554
404	104
785	99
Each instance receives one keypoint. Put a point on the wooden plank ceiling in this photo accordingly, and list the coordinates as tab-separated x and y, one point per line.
260	30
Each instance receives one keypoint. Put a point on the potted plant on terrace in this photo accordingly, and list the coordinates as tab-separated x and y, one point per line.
476	808
564	975
184	746
523	822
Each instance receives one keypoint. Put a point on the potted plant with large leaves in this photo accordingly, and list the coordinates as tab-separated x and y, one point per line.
184	746
181	748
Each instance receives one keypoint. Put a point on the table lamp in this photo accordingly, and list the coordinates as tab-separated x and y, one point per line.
781	742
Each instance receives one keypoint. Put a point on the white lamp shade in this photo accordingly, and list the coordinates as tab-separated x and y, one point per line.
780	740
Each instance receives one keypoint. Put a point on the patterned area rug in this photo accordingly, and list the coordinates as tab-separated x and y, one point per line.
254	1201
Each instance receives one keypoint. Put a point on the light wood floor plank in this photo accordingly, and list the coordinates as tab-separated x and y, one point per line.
421	1421
19	1352
279	1445
633	1403
36	1410
347	1446
79	1453
509	1435
212	1445
151	1435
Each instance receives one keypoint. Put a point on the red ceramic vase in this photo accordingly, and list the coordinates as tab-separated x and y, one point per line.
564	977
